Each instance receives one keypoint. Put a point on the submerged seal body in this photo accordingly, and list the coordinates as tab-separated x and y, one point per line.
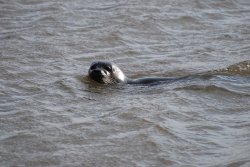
109	73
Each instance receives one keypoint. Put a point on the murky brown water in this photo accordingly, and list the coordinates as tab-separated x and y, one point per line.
52	115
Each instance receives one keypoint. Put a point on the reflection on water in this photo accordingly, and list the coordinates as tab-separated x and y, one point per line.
51	114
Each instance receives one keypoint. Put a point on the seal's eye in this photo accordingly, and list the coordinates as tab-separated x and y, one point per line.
108	68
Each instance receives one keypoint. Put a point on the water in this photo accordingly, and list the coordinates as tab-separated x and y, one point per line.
51	114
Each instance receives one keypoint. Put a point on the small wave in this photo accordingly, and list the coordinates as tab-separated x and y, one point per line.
242	68
48	19
213	89
238	163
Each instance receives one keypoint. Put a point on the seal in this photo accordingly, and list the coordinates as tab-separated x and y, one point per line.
109	73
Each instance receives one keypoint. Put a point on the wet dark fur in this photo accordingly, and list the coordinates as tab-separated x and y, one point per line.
109	73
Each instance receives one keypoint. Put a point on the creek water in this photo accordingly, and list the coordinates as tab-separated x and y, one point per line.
52	114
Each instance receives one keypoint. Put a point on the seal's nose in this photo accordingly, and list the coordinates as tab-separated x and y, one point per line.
96	75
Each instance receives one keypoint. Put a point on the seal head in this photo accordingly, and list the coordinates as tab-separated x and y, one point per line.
106	72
